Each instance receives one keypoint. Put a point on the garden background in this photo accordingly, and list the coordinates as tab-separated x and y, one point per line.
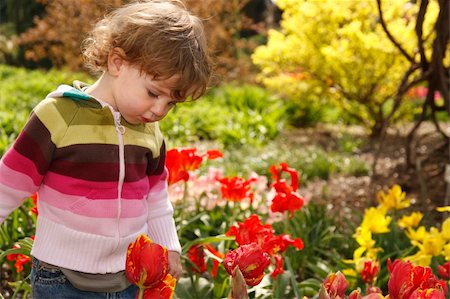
352	95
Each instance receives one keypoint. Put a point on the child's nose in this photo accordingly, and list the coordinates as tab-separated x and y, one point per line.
159	110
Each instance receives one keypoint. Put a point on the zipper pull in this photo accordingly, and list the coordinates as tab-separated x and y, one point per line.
119	127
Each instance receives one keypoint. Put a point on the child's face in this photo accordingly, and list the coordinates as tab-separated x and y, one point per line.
141	99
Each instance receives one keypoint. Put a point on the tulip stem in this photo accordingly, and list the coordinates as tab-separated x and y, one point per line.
141	293
286	222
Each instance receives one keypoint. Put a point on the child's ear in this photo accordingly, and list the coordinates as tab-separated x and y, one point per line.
116	60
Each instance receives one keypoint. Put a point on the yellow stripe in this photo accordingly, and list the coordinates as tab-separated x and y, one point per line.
53	119
57	114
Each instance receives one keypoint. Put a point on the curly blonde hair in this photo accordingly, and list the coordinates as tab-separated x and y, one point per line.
160	37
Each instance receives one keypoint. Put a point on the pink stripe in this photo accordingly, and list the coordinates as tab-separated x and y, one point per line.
93	225
96	190
15	179
91	208
16	161
158	186
158	182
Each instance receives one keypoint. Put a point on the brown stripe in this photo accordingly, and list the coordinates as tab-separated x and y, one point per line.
100	162
98	172
158	163
34	142
102	153
88	153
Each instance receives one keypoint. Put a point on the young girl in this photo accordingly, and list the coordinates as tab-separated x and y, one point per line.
95	154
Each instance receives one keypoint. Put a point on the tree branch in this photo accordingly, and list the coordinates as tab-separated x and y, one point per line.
419	33
390	36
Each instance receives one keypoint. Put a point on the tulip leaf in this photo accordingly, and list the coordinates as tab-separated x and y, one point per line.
195	288
206	240
292	277
238	286
25	248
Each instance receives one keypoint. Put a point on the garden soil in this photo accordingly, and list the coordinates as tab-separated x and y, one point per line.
348	196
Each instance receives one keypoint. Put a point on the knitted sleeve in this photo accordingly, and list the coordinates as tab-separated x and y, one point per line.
24	165
161	224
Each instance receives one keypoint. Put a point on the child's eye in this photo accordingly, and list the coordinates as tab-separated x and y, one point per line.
152	94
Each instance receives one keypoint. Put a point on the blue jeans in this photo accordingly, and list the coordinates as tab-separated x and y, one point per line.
52	284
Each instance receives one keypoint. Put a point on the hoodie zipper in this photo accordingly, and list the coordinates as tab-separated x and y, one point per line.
120	129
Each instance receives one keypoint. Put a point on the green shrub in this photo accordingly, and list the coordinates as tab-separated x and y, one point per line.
20	91
232	115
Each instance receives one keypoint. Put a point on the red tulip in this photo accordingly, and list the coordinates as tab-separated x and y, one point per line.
355	294
34	209
20	259
164	290
213	154
286	201
444	270
147	263
251	260
253	231
428	294
370	271
334	286
408	280
286	198
284	167
197	256
180	161
236	189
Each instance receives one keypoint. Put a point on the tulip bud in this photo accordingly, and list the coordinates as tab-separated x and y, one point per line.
251	260
146	263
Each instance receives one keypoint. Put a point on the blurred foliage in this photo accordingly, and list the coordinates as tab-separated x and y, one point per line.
232	115
56	37
312	161
325	243
51	43
20	91
20	13
347	60
17	228
16	16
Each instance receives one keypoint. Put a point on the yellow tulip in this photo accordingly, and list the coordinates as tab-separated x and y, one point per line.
446	251
445	229
411	220
416	235
376	221
394	199
443	209
432	243
419	259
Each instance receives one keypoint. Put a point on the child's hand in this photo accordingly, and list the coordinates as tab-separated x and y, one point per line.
175	264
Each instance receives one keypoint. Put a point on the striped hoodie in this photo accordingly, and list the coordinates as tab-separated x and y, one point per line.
101	182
